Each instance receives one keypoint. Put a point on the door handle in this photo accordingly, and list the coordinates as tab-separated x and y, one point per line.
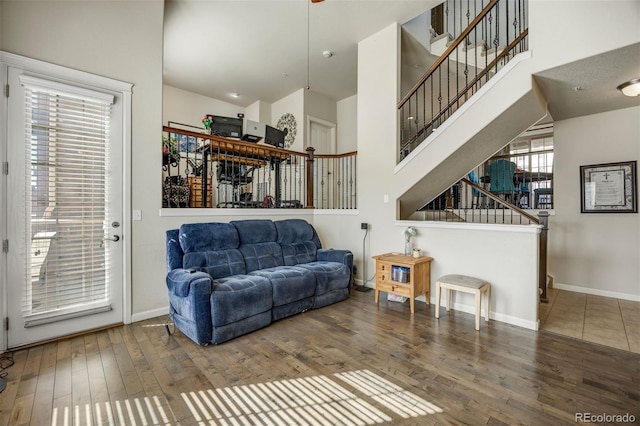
115	238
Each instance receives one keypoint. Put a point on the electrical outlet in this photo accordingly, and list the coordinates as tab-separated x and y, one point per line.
363	226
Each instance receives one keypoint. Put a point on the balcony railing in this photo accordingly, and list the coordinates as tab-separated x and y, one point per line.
206	171
489	41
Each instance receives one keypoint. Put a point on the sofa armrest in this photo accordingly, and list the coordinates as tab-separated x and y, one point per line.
340	256
182	282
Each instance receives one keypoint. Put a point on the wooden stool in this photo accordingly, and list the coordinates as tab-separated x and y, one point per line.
467	285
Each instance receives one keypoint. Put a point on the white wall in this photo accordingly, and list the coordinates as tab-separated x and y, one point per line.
319	106
186	107
563	31
294	104
259	111
347	130
120	40
503	255
597	253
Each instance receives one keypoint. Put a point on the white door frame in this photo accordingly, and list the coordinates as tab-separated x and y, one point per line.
333	126
63	73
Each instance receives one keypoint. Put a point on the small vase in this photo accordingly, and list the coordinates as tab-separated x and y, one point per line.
408	247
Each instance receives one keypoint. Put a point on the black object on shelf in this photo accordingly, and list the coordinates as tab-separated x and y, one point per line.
3	384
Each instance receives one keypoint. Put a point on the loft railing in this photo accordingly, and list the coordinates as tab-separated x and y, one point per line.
207	171
490	40
470	202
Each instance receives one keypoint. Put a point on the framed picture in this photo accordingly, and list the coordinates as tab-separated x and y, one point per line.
609	188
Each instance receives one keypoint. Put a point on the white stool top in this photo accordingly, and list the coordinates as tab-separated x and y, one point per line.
463	280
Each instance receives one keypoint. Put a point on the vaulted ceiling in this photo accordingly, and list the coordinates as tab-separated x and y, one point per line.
259	49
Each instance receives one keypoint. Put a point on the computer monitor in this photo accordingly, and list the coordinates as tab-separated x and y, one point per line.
253	131
273	136
227	127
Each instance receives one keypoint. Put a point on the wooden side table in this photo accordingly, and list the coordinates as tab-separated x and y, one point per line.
418	282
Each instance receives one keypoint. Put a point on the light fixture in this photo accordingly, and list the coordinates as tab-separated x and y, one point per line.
631	87
235	95
308	54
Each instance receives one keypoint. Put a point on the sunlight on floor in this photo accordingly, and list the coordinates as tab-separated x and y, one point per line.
133	412
316	400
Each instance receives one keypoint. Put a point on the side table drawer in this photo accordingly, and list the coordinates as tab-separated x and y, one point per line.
394	287
383	272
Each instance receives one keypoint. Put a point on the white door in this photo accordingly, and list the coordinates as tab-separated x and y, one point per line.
322	139
65	208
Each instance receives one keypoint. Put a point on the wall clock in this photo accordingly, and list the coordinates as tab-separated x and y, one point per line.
287	123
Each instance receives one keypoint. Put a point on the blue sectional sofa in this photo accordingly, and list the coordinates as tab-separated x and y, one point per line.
229	279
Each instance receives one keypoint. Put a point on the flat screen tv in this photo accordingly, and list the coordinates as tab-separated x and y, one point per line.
227	127
273	136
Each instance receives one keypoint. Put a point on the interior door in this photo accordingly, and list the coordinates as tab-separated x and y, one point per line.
65	197
322	138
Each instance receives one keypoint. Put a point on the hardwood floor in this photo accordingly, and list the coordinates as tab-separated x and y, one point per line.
349	363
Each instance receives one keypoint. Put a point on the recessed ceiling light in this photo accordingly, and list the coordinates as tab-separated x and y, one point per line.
631	87
576	88
235	95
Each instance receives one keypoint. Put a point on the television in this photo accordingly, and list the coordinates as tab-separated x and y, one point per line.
227	127
253	131
273	136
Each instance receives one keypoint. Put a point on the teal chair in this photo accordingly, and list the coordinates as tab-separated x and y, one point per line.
473	177
524	195
501	175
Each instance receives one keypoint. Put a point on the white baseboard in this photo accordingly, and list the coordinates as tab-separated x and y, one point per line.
597	292
508	319
141	316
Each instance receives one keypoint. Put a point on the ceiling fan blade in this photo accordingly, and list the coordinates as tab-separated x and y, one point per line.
317	1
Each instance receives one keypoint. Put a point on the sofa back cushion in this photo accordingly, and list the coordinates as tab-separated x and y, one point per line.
212	248
298	240
258	244
174	251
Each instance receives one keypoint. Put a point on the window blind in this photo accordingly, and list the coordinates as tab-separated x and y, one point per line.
66	199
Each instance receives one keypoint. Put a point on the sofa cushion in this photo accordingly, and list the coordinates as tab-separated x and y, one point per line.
199	237
255	231
329	275
298	240
174	251
258	244
218	263
296	231
289	283
239	297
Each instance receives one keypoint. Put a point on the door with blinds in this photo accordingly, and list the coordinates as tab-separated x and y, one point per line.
65	209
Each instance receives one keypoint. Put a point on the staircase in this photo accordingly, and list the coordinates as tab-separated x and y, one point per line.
447	121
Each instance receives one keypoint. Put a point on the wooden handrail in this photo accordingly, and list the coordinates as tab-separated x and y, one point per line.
476	79
513	207
236	145
344	155
447	52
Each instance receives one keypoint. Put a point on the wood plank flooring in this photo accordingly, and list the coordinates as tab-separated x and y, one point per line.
349	363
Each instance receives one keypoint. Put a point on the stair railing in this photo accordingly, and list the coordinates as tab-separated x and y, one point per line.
464	206
476	55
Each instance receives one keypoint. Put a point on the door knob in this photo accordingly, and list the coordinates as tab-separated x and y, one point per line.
115	238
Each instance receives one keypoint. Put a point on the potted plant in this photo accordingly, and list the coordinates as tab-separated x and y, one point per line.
170	153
